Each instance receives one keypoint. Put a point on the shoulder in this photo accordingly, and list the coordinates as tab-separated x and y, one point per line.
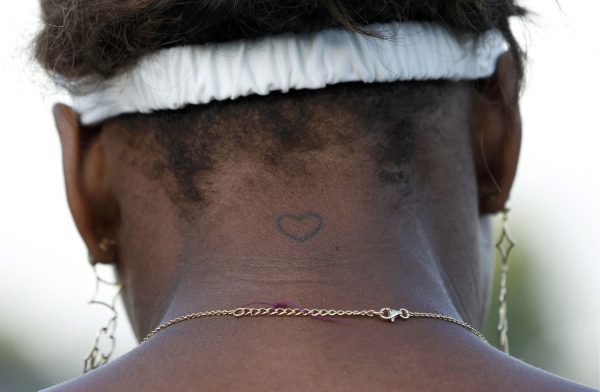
96	380
516	375
460	369
114	377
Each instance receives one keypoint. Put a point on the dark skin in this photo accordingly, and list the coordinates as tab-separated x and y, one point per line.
338	239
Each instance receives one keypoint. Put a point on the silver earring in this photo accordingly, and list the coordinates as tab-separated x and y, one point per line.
504	246
97	357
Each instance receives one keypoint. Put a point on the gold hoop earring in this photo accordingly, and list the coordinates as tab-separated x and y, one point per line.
96	356
504	246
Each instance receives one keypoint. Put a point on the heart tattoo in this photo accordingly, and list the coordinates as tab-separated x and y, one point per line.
300	228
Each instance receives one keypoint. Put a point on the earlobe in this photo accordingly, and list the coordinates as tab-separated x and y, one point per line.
497	135
81	164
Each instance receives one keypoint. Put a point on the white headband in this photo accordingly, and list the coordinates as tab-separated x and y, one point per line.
175	77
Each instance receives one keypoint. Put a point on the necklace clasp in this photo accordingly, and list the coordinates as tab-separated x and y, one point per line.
392	314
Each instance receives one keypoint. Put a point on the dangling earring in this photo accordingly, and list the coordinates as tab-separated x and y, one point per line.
504	246
96	357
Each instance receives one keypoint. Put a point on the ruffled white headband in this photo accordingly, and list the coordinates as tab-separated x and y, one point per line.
175	77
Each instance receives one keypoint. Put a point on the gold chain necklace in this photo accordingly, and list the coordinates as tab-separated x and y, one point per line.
387	314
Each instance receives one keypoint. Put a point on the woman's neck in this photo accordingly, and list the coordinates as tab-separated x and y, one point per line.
317	248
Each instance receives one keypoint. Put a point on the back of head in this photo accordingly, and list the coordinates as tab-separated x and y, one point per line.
283	132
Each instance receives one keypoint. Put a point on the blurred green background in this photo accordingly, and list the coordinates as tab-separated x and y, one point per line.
529	312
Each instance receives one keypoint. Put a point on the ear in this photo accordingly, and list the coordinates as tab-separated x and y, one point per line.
497	135
88	187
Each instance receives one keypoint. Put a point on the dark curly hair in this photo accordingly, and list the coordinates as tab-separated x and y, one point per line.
99	39
102	38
